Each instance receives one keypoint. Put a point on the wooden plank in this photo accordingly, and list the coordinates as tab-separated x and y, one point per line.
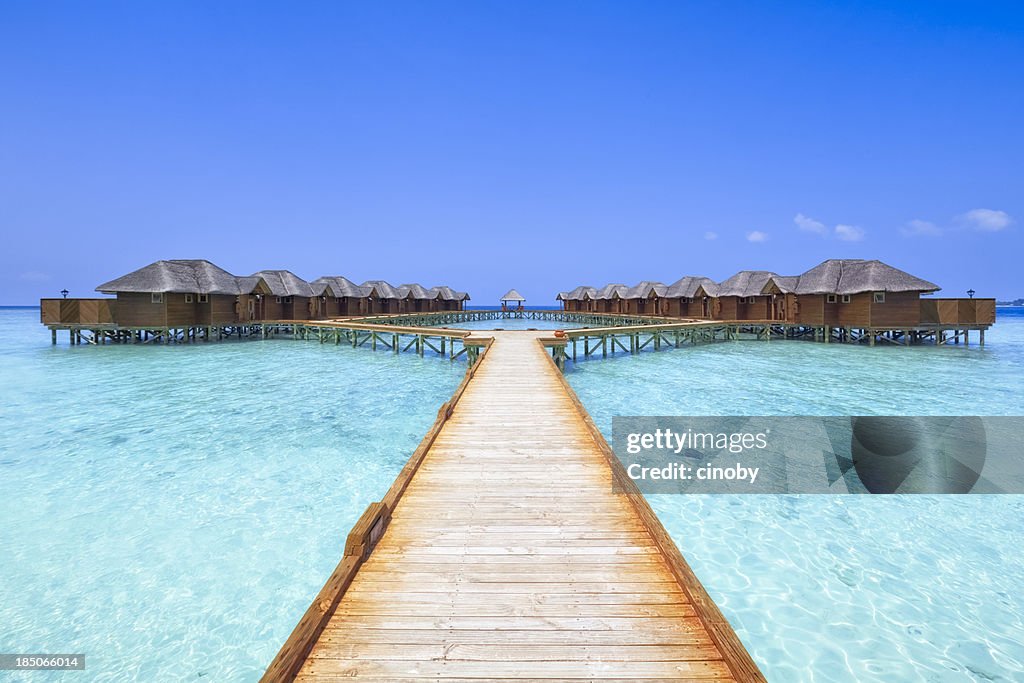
690	632
709	670
517	652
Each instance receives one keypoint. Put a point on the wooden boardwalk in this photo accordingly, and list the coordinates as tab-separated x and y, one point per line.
508	556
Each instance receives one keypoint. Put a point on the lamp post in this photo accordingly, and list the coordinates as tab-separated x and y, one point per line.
970	293
64	292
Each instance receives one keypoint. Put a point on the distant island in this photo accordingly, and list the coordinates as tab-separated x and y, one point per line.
1015	302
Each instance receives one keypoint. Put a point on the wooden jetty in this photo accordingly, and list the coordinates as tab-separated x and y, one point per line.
500	553
611	330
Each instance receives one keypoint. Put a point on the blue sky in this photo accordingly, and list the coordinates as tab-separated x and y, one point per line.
488	145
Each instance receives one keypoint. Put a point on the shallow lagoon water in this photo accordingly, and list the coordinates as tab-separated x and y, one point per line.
853	588
171	511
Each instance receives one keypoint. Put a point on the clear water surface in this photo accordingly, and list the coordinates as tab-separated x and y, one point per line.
171	511
877	589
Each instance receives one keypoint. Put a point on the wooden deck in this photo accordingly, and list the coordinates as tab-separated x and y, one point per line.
508	556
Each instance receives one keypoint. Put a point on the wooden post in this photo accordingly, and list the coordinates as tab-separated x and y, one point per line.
981	338
53	335
604	346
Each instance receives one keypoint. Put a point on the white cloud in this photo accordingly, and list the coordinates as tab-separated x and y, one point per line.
921	228
709	235
849	233
757	236
808	224
985	220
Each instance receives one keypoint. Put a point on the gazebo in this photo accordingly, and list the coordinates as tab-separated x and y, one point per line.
513	297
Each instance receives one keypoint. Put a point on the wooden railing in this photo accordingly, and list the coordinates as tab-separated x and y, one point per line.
77	311
958	311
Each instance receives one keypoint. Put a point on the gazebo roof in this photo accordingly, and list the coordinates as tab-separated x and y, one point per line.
513	295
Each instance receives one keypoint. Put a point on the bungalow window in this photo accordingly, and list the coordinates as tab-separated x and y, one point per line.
846	298
751	300
204	298
831	298
879	297
157	297
287	299
188	298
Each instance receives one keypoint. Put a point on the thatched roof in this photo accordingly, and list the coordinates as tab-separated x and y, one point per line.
285	283
416	291
612	291
784	284
383	289
513	295
322	288
449	294
189	276
644	289
686	287
580	293
252	284
853	276
343	287
745	283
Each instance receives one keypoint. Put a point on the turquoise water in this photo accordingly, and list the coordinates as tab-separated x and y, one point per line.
171	511
845	589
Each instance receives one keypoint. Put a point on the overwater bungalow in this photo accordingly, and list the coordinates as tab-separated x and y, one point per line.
859	294
383	298
609	299
253	291
580	300
290	298
349	298
449	299
742	296
691	297
416	298
323	295
781	293
179	294
645	298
